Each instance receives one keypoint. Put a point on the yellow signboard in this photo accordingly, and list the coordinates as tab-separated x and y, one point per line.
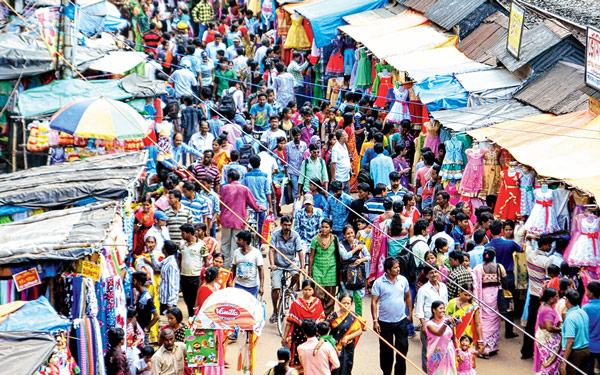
515	29
90	270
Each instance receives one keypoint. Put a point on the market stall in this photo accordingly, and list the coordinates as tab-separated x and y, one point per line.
225	310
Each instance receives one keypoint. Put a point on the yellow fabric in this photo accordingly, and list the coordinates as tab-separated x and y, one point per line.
297	37
561	147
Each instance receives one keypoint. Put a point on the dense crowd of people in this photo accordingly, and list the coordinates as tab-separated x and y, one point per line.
244	138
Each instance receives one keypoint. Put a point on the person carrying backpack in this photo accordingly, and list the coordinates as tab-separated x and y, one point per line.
312	168
246	145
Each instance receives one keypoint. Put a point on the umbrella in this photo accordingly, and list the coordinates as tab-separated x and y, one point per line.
100	118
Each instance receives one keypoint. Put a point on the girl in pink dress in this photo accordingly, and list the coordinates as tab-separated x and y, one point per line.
465	356
472	181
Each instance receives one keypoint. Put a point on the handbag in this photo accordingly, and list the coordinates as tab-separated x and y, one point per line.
505	297
354	277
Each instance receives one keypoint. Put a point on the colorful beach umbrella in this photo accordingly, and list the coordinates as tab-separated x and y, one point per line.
100	118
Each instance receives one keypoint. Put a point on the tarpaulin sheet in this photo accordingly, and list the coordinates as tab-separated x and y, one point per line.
366	31
23	352
118	62
37	315
105	177
564	147
325	16
441	92
50	98
438	61
60	235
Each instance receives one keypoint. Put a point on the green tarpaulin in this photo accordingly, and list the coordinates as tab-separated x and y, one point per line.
50	98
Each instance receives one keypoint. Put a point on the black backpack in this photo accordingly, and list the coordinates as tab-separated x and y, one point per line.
171	111
227	105
408	267
246	152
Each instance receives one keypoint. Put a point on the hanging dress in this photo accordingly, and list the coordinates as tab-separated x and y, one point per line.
363	70
584	247
432	139
335	65
452	189
542	219
491	174
384	85
580	199
508	203
297	38
334	88
399	110
452	166
380	68
527	200
472	181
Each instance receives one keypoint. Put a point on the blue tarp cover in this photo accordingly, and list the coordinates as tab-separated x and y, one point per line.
37	315
326	16
441	92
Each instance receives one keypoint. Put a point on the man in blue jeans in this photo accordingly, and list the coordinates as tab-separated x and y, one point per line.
390	301
258	183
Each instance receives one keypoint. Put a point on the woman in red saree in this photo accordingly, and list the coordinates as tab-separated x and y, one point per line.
346	330
144	220
224	276
355	160
305	307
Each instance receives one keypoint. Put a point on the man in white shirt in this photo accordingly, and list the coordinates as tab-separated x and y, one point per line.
269	137
202	140
268	164
340	160
432	291
240	63
231	52
283	84
418	243
193	254
261	51
183	80
216	45
438	227
237	95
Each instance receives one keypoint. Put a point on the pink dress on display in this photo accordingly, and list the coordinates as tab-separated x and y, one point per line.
432	140
584	247
472	181
452	189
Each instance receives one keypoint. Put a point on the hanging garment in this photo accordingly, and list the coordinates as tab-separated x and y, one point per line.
363	70
508	203
543	216
561	206
349	60
580	199
399	110
335	65
379	69
584	247
452	189
385	84
527	200
297	38
432	140
452	166
472	181
334	88
491	174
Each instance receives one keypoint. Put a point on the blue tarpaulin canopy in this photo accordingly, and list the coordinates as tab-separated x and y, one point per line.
325	16
37	315
441	92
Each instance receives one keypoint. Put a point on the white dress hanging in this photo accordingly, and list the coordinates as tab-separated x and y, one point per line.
542	219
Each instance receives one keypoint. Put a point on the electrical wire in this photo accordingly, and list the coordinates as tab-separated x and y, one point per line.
350	210
245	221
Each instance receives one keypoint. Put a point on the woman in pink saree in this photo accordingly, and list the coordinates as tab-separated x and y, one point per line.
490	276
547	332
379	250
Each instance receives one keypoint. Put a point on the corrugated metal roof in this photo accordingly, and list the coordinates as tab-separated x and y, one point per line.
535	42
557	91
488	80
420	5
448	13
478	44
485	115
374	15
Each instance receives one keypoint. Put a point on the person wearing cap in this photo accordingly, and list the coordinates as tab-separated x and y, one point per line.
307	220
159	231
184	80
231	52
288	242
206	70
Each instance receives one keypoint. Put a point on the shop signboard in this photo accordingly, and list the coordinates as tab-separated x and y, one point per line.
515	29
592	58
26	279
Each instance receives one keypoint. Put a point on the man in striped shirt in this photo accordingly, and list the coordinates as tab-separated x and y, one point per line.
197	203
205	168
177	214
537	264
168	290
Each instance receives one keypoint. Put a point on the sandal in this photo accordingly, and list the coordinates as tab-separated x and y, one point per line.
273	319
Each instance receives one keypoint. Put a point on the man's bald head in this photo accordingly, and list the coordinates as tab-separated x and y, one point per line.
167	338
